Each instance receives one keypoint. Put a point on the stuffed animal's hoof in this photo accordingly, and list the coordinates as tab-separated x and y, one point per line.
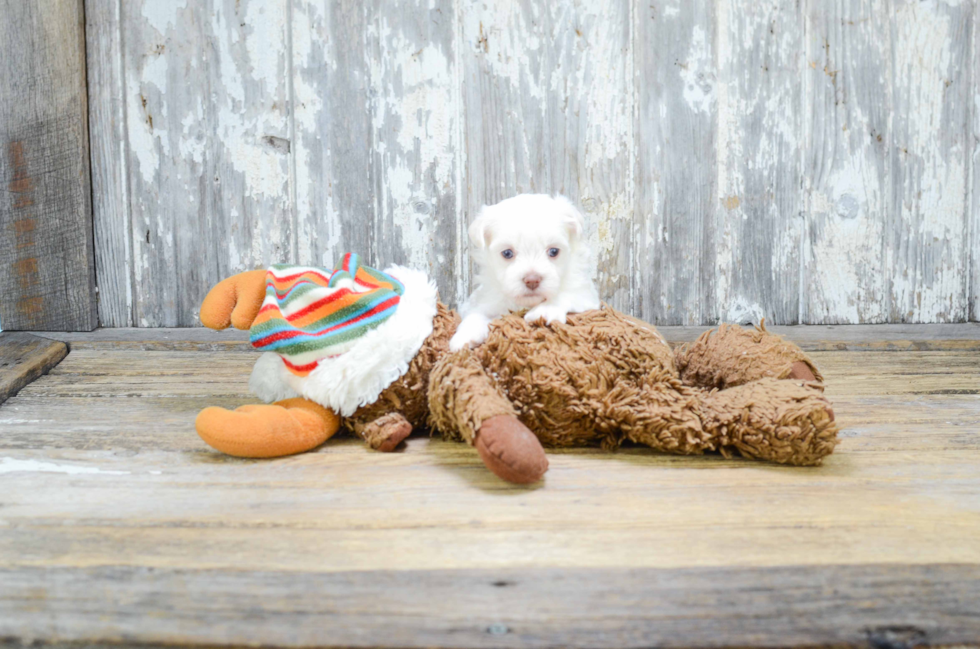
396	433
801	371
387	432
510	450
285	428
830	413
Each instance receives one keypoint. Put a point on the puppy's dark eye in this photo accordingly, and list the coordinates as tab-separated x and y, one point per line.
553	252
507	254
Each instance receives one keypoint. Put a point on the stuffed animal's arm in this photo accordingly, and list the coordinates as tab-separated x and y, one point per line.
464	401
234	301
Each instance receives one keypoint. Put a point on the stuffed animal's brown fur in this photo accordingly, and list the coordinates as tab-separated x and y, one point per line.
604	378
601	379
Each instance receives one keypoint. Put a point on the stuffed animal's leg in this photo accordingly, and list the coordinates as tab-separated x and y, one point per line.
732	356
283	428
770	419
781	421
465	402
385	432
662	414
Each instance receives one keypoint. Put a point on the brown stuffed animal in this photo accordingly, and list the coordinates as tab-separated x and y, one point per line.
603	378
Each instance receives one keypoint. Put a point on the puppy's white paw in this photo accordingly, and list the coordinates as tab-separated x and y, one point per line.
547	312
469	334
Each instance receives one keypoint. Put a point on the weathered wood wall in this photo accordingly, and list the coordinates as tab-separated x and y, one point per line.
804	160
47	269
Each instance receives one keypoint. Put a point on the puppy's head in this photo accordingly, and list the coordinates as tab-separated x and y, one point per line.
525	245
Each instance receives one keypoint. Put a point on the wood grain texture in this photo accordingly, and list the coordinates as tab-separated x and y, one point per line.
927	233
415	114
860	606
726	153
377	121
167	541
549	109
675	78
334	185
176	504
757	220
23	358
169	183
250	126
47	268
974	166
847	176
886	401
109	146
208	120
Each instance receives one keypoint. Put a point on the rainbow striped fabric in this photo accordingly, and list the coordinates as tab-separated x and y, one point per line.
310	314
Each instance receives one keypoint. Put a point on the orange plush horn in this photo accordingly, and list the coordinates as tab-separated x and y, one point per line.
234	301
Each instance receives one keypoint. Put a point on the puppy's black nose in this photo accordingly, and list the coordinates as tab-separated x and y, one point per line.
532	281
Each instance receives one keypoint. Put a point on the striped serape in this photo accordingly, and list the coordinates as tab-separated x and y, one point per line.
310	314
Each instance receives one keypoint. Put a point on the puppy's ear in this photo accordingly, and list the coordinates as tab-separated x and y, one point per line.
571	218
480	229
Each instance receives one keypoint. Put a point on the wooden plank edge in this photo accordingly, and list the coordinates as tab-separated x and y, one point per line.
813	338
168	339
883	605
24	358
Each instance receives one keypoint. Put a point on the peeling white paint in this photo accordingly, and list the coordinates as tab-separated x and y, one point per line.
850	281
192	143
266	29
161	14
509	38
743	311
757	230
729	152
242	126
415	103
155	74
698	73
598	224
204	88
145	142
929	283
310	34
264	169
609	112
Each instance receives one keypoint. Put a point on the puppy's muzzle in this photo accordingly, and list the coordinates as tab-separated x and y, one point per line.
532	281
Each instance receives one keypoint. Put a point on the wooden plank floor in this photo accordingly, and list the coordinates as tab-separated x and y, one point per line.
23	358
118	524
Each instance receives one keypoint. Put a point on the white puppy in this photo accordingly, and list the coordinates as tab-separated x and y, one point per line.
531	255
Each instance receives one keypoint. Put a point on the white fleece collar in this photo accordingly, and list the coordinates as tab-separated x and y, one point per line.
379	358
